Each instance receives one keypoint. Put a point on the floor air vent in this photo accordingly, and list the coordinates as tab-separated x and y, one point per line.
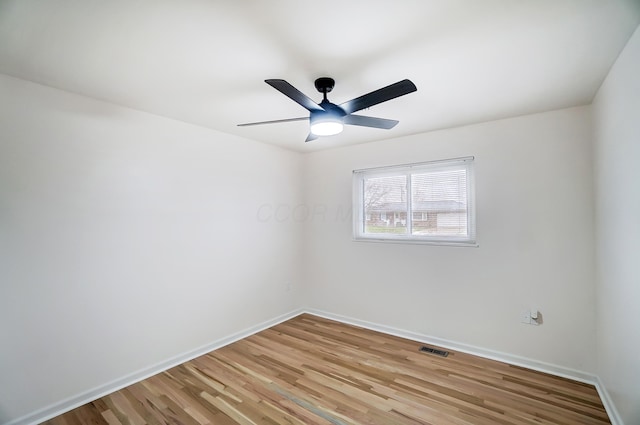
435	351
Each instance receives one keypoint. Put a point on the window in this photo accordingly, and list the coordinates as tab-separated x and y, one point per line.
429	202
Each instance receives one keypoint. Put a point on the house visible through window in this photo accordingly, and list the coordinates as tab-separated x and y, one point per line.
430	202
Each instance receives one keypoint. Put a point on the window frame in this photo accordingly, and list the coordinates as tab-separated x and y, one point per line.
359	223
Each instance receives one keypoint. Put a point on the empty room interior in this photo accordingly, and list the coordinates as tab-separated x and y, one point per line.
286	212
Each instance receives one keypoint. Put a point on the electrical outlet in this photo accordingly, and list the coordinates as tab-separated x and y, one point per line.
525	317
536	316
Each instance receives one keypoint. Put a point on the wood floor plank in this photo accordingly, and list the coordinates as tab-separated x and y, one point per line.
311	370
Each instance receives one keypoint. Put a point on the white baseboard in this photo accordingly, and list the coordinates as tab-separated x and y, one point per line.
539	366
614	416
70	403
88	396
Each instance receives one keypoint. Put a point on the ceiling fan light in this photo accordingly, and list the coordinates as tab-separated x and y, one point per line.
326	126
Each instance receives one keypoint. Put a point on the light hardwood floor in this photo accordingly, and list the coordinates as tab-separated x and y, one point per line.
310	370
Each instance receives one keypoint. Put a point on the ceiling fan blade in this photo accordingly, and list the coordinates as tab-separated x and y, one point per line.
378	96
274	121
311	137
294	94
374	122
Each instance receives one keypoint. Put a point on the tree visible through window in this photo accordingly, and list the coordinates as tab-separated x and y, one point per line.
385	203
426	202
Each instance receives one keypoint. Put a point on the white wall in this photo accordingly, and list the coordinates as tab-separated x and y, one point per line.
616	112
535	230
128	238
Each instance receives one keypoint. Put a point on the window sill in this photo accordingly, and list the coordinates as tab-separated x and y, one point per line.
407	241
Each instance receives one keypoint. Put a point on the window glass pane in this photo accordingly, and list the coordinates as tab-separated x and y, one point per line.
439	203
385	205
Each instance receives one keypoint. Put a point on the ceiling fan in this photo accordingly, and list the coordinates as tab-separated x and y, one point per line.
327	118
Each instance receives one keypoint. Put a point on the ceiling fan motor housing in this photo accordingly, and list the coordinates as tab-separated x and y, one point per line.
327	122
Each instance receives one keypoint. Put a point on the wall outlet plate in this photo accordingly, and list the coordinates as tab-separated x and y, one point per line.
525	317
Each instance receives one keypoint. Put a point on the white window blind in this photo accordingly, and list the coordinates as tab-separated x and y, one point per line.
429	202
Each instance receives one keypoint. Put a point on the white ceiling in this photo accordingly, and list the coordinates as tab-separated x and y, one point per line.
205	62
